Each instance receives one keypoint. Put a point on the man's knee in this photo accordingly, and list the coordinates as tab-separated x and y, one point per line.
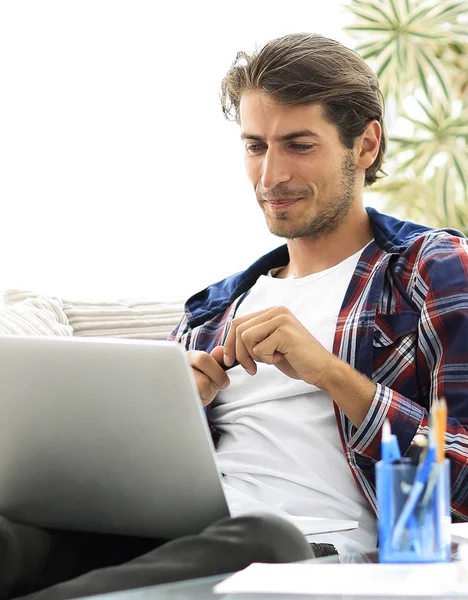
267	537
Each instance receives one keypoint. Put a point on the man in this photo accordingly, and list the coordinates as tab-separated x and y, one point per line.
358	318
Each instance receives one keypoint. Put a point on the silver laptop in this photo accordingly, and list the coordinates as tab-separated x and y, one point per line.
106	436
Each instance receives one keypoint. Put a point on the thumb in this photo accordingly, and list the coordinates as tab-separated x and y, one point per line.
217	353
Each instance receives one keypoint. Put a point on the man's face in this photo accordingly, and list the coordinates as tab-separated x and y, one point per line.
303	176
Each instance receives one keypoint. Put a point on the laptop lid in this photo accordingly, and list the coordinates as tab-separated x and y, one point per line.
104	435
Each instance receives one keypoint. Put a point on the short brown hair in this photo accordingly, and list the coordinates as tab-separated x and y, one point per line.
304	68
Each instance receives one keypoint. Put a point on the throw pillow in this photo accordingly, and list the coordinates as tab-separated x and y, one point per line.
34	316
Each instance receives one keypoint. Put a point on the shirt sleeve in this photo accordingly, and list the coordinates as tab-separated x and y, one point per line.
181	333
440	283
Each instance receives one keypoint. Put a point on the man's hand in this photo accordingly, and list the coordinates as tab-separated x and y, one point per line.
274	336
210	377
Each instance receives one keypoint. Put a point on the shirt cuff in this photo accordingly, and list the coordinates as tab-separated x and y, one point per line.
405	421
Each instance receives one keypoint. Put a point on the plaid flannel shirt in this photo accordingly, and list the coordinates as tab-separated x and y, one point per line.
403	324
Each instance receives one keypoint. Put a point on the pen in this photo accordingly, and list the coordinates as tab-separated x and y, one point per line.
386	446
395	448
391	455
439	426
390	448
420	481
412	522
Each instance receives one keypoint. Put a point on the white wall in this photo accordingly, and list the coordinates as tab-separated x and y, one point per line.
118	174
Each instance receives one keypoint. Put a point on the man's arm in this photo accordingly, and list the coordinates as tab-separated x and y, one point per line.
438	284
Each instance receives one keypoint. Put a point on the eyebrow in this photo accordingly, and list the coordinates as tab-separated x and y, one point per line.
283	138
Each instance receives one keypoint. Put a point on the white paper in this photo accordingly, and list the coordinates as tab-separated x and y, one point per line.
349	579
315	525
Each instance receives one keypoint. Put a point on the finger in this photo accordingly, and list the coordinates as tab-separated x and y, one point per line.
250	333
269	349
206	390
231	339
262	341
242	354
209	366
218	353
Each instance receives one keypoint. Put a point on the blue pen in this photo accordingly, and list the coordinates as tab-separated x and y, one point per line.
390	447
392	452
413	523
395	448
387	444
422	475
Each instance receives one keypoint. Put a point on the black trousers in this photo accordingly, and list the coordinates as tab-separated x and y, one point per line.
54	565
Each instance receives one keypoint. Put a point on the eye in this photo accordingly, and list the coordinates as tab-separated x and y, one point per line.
302	147
254	148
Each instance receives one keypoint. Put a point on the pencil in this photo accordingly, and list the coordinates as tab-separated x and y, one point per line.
441	429
437	427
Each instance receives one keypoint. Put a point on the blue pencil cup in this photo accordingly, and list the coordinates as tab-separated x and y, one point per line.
423	534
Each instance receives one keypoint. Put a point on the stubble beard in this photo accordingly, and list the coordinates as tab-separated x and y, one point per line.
331	214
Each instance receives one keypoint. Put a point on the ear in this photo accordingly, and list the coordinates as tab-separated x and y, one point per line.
368	144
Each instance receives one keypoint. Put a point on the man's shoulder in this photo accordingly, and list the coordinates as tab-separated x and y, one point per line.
434	262
405	237
437	244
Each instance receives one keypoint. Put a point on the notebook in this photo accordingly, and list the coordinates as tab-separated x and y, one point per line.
108	435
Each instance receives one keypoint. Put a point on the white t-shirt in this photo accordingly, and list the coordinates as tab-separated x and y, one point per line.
280	449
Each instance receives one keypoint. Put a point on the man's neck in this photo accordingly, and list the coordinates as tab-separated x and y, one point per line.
307	256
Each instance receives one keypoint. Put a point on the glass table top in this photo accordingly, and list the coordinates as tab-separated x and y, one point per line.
198	589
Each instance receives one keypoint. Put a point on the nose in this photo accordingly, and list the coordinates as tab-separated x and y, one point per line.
275	169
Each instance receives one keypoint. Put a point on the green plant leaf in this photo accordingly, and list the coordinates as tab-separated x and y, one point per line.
460	170
422	125
460	32
365	17
443	190
372	49
439	37
406	142
368	28
422	78
428	113
395	12
452	11
375	7
384	65
418	15
459	130
399	53
437	72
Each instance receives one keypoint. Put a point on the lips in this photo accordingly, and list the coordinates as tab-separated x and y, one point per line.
282	203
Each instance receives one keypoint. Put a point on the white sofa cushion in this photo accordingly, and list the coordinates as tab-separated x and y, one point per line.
132	318
35	316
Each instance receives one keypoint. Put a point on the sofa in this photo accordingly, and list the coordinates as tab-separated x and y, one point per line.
29	313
